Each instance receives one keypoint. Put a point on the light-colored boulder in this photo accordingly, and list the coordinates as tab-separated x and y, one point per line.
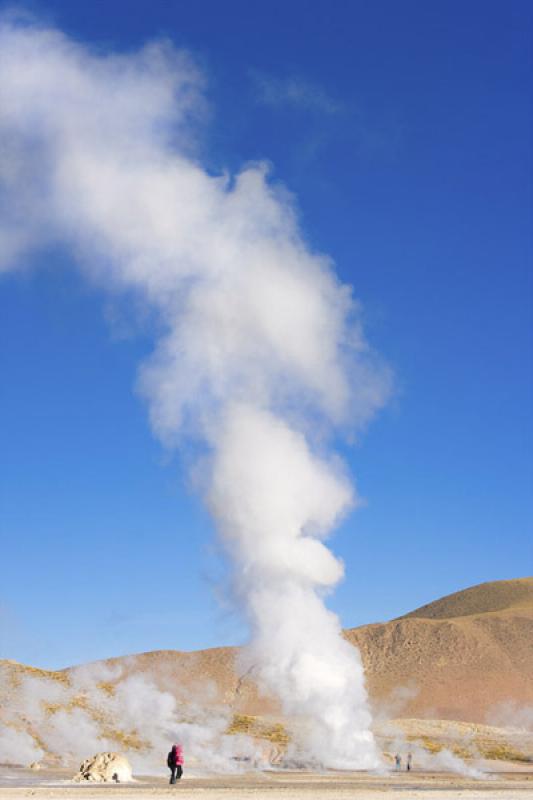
105	768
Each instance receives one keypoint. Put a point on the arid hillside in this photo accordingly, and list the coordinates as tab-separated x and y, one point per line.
456	658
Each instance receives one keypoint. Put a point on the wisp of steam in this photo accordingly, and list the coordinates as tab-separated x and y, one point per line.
260	354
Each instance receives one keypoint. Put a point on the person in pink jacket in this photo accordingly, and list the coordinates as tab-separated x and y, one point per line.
175	762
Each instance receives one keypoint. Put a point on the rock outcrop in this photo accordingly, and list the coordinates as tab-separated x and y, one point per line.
105	768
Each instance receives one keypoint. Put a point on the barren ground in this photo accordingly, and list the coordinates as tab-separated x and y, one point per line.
515	784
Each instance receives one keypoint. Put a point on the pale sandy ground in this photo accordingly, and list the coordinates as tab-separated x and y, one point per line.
510	785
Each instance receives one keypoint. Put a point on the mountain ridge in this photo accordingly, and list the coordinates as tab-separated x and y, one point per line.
454	658
483	598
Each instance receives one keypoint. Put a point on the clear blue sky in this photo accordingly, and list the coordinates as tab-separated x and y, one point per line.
404	129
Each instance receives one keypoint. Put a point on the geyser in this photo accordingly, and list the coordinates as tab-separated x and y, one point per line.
261	352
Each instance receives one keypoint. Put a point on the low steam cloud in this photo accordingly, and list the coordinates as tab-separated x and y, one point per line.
61	719
261	349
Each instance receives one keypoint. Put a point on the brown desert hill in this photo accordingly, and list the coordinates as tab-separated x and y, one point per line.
455	658
452	659
481	599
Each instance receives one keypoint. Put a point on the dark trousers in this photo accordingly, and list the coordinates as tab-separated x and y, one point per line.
176	773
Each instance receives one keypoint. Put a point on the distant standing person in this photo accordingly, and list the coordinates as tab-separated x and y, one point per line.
398	761
409	761
175	762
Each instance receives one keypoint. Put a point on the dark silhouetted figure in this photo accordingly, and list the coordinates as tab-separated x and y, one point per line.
175	762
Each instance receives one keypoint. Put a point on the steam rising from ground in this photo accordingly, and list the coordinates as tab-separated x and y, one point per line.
98	708
442	759
261	348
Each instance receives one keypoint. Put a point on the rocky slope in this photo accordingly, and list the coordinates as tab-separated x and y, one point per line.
455	658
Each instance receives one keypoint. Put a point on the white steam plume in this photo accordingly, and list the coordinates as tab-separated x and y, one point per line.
261	346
